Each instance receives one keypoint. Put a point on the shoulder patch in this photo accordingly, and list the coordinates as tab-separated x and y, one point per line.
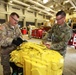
1	27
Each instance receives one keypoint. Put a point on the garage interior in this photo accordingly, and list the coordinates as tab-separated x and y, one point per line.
70	62
36	12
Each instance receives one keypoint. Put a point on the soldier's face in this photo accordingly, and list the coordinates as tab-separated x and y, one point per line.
14	20
60	19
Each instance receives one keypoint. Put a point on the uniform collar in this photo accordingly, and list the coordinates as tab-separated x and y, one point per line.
9	25
61	26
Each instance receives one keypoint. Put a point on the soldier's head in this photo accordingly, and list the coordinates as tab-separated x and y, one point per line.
60	17
14	18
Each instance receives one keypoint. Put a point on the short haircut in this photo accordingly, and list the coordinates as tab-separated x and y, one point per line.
14	13
61	13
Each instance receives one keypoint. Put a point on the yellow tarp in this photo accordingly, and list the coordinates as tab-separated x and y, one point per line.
36	59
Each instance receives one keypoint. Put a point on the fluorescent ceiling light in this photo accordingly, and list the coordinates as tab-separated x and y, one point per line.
11	1
48	9
47	20
51	6
45	1
65	2
71	8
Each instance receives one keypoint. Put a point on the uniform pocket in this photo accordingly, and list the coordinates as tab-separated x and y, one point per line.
5	59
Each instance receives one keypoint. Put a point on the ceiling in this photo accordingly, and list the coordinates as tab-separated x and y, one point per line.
49	8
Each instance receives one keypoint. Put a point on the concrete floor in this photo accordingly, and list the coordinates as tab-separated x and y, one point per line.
70	59
70	62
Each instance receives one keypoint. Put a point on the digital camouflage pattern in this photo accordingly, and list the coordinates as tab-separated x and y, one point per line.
7	34
60	35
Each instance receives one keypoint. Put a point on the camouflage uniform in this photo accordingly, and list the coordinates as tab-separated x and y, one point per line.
60	35
29	31
7	34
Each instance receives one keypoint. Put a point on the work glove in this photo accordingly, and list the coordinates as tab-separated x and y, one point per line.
21	41
25	41
16	42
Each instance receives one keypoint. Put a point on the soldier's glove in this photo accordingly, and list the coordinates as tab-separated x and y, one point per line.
21	41
16	42
25	41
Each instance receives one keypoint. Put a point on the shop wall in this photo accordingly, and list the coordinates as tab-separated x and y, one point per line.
30	17
2	18
2	21
20	23
2	13
32	23
2	8
39	19
14	9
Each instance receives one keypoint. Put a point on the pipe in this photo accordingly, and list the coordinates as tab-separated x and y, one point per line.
38	4
43	11
24	4
19	2
72	4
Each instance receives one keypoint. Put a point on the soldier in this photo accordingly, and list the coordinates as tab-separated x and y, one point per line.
29	31
10	35
60	34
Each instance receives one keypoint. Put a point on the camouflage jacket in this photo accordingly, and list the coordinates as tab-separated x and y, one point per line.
8	33
60	35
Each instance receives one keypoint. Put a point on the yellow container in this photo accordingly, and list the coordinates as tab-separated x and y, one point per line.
38	60
34	68
27	68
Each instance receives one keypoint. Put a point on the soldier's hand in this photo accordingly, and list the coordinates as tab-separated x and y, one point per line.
16	42
48	45
1	27
45	43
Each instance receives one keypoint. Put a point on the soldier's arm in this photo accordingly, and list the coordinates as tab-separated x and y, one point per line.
7	40
19	32
64	42
4	39
1	37
47	35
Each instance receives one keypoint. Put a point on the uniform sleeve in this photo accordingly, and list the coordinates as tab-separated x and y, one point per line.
1	37
18	31
64	42
5	40
48	34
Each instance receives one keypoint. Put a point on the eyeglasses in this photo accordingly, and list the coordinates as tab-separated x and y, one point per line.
15	19
59	18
